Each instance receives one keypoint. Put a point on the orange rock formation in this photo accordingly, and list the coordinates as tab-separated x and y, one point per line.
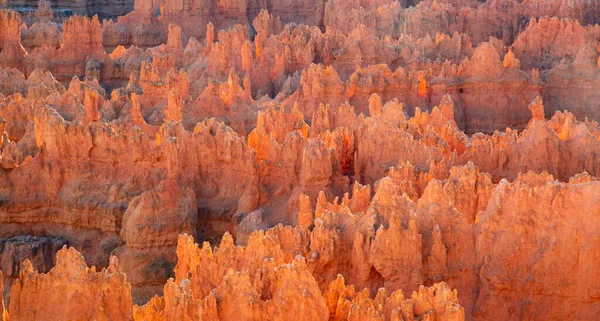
336	160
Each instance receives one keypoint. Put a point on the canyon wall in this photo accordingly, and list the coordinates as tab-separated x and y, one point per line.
363	160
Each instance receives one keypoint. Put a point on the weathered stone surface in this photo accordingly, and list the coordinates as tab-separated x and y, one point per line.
328	155
70	291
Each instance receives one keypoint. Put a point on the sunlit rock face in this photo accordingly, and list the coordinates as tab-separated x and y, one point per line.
319	160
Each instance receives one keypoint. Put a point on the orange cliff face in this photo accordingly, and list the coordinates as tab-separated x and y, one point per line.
90	294
282	288
11	51
362	160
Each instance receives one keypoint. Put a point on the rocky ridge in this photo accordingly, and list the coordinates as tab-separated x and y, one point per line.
327	166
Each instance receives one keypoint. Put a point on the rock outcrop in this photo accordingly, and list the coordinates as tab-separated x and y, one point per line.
12	52
150	228
70	291
332	157
278	290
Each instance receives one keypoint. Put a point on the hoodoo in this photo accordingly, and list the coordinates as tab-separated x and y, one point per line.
385	160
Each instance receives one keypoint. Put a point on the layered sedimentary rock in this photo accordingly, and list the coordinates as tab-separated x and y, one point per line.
40	251
150	228
80	52
278	292
546	202
11	51
107	9
331	157
84	292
